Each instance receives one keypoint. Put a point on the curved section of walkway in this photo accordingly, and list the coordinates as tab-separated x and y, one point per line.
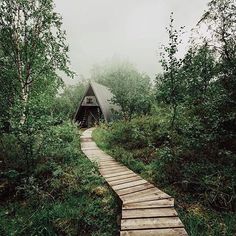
146	210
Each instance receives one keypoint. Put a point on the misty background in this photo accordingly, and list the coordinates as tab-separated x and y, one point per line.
130	30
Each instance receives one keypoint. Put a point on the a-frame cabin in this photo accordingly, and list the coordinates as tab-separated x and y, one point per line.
95	106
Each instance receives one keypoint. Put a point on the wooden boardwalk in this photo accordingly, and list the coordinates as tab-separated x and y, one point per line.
146	210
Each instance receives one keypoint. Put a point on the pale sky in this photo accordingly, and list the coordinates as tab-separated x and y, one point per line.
133	30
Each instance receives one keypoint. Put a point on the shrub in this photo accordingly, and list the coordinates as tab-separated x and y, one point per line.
63	195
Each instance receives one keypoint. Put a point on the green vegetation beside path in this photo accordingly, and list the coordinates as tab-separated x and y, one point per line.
141	145
63	195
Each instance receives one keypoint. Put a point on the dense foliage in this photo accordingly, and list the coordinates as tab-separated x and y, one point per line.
179	134
67	102
131	89
186	145
201	185
64	195
32	49
47	186
204	100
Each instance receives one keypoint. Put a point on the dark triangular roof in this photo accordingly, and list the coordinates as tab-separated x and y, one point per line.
104	97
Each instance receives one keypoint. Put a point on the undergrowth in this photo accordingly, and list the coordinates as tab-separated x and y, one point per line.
64	194
192	178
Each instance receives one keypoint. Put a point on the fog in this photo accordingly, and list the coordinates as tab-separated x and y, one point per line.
132	30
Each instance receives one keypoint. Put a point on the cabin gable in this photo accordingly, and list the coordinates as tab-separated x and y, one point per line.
95	106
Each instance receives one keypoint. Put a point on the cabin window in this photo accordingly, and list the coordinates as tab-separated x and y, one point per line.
89	100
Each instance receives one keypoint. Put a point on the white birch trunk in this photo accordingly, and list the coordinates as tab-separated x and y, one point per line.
25	98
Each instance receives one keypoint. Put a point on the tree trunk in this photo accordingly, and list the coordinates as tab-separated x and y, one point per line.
25	98
174	117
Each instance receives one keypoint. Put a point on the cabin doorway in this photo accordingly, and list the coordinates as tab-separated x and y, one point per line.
90	121
91	117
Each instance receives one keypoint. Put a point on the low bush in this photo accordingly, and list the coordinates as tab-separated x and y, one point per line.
62	195
190	173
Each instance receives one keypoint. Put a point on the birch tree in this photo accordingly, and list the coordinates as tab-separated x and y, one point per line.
32	46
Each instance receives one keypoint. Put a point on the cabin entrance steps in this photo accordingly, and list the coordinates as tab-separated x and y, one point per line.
146	210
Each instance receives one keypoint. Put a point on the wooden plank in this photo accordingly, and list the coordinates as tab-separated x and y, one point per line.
143	193
151	223
134	189
117	174
108	171
95	156
153	212
86	139
88	144
110	168
89	154
102	158
95	152
150	204
103	166
109	165
130	184
121	177
89	148
102	155
125	180
108	162
156	232
150	197
111	161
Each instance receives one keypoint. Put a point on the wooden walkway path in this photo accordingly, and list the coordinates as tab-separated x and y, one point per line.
146	210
